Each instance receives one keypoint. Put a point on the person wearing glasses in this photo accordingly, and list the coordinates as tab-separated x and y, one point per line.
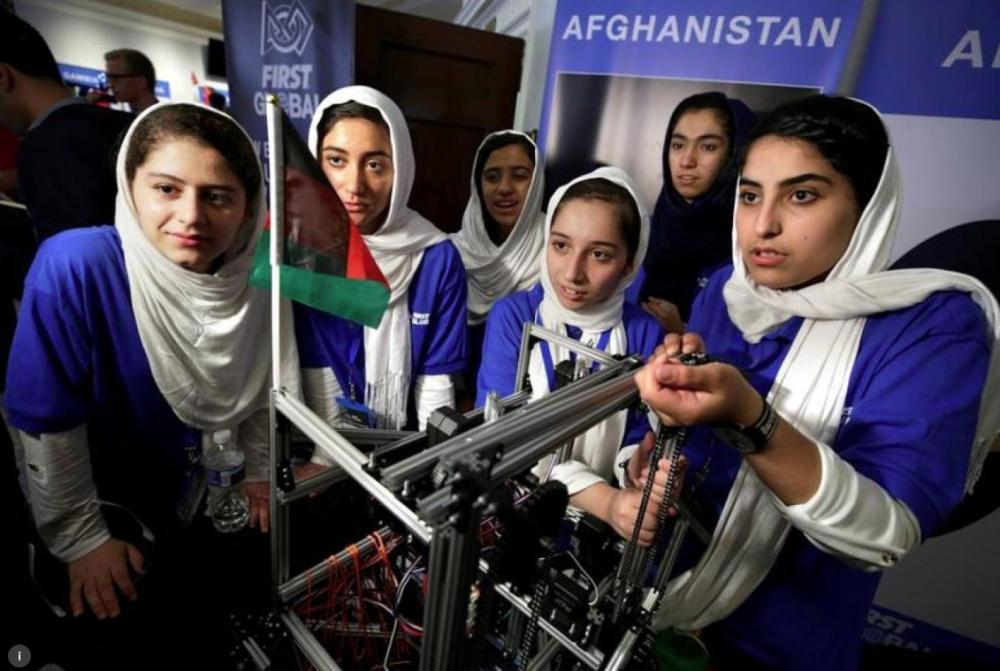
131	77
66	157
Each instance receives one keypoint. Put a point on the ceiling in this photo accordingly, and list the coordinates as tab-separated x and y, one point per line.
207	14
209	7
509	17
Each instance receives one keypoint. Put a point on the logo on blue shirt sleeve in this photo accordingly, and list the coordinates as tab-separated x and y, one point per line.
845	416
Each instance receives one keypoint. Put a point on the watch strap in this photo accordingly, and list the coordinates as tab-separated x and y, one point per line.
766	424
752	438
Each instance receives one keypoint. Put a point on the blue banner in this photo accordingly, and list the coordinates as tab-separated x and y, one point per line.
790	42
299	50
889	628
617	70
96	79
934	59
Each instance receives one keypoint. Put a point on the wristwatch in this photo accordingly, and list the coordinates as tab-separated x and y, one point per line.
750	439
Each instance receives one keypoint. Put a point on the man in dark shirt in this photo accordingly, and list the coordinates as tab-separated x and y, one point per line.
65	165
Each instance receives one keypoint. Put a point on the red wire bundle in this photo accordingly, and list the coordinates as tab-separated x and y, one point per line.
354	614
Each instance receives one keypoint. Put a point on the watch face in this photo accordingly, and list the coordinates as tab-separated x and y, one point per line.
736	439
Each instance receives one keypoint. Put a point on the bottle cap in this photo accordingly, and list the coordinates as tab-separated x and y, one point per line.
222	436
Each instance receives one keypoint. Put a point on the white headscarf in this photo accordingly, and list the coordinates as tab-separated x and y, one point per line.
811	386
202	332
397	247
594	452
495	272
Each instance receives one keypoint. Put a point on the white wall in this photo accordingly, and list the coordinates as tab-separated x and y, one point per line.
949	174
79	33
534	69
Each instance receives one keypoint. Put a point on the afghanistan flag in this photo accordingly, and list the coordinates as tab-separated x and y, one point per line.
324	262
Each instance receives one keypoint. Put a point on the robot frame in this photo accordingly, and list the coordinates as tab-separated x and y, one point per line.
558	588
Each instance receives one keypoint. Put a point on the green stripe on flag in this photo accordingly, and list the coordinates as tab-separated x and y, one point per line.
361	301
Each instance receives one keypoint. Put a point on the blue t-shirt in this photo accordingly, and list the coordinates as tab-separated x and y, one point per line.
438	339
909	419
477	334
503	343
638	292
633	294
77	359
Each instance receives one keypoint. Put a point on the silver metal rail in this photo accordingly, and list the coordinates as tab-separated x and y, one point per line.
600	402
545	655
280	513
311	484
374	436
311	648
507	403
521	435
623	653
349	458
592	658
512	428
533	332
523	355
611	397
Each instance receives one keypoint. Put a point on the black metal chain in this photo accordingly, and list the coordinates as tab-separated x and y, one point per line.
625	584
674	456
484	607
531	628
692	359
668	439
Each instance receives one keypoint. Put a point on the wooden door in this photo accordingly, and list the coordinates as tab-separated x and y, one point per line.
454	85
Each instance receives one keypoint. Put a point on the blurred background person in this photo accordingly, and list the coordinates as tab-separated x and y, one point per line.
502	231
691	229
9	144
64	164
131	77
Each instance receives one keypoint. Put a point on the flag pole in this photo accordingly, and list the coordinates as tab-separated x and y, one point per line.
279	444
276	206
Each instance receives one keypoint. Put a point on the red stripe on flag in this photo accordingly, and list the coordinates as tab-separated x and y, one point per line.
360	264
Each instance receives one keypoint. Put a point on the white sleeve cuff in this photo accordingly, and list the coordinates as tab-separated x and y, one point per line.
431	392
853	517
87	543
321	389
62	493
252	438
621	463
576	475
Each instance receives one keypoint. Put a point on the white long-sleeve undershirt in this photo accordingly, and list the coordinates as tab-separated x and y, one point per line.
62	493
64	499
849	516
321	390
853	517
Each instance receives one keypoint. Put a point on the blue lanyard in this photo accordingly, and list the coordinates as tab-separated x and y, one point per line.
192	445
550	371
355	363
345	352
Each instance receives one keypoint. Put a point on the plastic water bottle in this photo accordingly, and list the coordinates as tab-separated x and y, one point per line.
227	504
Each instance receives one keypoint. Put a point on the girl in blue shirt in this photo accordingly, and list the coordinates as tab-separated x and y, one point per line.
397	374
134	343
595	238
854	437
502	229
